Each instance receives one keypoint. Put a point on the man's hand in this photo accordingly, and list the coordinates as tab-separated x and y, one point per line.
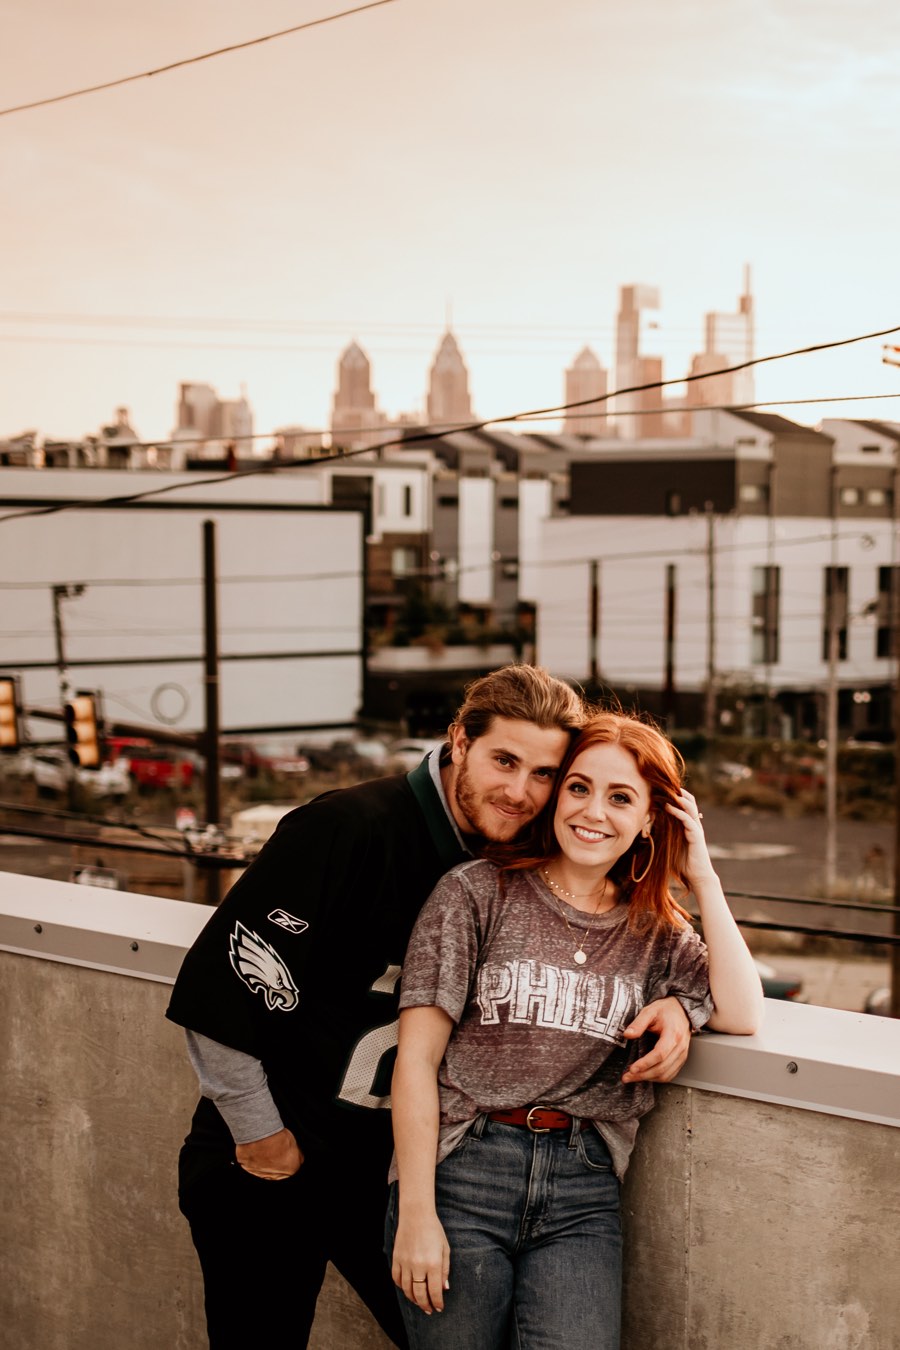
666	1018
274	1159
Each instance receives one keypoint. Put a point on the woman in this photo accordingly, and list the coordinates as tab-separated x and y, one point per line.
512	1064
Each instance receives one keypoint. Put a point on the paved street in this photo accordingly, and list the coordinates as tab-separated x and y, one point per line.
830	981
760	853
777	855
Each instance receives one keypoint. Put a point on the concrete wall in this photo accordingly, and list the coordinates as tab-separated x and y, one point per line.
751	1220
754	1227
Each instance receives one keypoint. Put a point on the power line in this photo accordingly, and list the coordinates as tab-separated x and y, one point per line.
721	407
414	327
410	439
193	60
188	581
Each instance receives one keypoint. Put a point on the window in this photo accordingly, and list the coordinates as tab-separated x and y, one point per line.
448	501
870	449
877	497
403	561
673	503
850	496
765	617
888	612
835	607
753	493
407	500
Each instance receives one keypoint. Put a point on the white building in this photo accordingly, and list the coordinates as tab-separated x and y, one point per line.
730	555
291	579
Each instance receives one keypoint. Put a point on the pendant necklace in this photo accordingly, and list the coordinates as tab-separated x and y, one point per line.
579	955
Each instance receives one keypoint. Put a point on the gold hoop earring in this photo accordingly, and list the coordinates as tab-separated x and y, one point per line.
639	879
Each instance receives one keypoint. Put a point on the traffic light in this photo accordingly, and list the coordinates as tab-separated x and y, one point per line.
10	734
83	729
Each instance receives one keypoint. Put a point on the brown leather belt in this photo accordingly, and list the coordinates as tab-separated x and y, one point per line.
538	1119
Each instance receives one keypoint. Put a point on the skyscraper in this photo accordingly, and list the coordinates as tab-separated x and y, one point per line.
634	368
355	423
198	409
204	417
448	385
728	342
586	378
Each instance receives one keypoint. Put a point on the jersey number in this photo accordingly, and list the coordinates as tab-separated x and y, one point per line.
372	1057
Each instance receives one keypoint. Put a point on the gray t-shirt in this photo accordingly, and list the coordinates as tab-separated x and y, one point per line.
533	1027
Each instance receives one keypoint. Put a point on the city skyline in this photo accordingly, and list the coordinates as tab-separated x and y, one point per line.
239	222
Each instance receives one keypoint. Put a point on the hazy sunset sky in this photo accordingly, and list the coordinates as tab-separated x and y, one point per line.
240	221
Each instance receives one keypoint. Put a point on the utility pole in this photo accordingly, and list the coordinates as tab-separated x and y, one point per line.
211	690
709	716
831	701
60	593
770	729
668	701
894	595
894	650
595	623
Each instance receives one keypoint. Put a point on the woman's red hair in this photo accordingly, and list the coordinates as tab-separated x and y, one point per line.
650	900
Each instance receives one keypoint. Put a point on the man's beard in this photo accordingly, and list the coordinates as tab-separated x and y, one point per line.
480	818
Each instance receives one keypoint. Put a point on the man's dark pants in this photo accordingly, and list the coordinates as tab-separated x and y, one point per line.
264	1246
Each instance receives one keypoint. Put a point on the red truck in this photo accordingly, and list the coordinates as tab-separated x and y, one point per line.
152	766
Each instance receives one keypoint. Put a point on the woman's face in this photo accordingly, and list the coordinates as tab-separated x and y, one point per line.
603	805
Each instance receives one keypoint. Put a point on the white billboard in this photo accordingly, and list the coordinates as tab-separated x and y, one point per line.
126	586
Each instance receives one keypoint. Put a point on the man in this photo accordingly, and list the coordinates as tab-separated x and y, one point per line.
290	995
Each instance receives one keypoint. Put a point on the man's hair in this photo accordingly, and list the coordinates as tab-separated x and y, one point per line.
521	693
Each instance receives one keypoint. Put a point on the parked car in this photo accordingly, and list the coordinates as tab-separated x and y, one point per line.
879	1002
51	770
774	986
731	771
262	757
361	755
793	775
18	765
408	754
154	766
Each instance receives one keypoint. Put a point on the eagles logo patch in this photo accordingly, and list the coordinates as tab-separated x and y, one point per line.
262	969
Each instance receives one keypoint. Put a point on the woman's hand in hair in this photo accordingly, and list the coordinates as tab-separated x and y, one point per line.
698	864
733	981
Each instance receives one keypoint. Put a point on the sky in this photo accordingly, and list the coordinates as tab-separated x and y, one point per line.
507	163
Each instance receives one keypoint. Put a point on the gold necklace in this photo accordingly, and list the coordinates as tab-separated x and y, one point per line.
579	955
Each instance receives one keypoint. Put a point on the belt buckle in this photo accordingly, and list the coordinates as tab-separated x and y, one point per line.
536	1129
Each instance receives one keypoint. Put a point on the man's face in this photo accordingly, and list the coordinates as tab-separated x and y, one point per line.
501	781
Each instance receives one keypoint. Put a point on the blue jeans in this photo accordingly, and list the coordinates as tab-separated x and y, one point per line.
535	1243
